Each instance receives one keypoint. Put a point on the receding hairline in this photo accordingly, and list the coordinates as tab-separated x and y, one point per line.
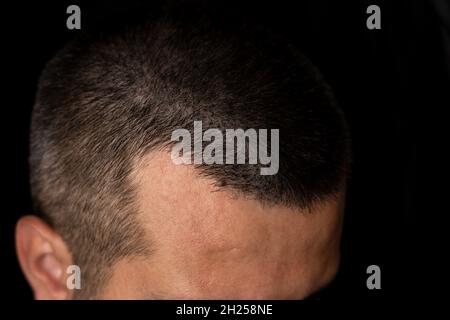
158	163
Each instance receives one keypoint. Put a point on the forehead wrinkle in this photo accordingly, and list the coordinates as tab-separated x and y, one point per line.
209	236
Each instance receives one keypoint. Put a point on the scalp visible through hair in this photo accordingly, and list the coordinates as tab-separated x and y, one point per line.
107	99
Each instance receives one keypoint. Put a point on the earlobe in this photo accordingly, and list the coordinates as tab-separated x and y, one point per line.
43	257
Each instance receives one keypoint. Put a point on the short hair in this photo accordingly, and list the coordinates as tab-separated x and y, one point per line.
109	98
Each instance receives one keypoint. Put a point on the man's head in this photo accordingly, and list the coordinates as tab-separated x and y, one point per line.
140	226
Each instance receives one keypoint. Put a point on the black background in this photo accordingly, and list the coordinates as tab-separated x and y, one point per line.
384	80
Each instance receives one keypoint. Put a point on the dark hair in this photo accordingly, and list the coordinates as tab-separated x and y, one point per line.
109	98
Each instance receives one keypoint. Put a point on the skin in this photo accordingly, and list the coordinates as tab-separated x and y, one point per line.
207	243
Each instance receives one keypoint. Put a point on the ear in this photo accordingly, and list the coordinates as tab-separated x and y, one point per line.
43	257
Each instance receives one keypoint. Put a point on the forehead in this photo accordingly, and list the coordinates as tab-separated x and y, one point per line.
212	241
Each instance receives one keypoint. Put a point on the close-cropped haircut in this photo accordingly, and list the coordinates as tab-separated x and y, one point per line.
109	98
